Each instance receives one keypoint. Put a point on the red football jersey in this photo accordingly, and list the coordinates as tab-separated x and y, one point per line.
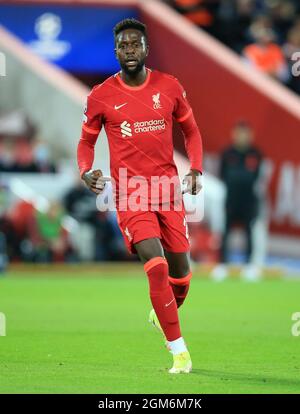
138	122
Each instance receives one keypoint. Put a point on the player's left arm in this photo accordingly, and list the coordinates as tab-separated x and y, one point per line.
192	139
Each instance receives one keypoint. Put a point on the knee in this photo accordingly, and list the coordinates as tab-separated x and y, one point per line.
179	270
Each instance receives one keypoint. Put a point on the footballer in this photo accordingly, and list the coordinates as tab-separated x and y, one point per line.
137	106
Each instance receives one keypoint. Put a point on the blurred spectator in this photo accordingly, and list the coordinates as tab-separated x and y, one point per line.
3	253
109	241
282	13
42	157
20	156
250	27
291	47
7	157
199	12
240	167
32	235
266	55
80	203
233	20
99	232
20	218
297	22
15	124
259	23
20	150
4	229
50	239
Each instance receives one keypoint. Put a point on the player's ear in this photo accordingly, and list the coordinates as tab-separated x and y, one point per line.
147	50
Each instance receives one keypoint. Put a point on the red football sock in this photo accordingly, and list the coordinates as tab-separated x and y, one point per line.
180	288
162	297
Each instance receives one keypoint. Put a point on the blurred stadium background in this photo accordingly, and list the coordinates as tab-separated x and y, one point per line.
56	51
53	52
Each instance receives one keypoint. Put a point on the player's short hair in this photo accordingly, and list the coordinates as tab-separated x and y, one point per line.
130	24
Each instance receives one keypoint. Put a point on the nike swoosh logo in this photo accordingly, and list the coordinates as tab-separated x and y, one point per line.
120	106
168	304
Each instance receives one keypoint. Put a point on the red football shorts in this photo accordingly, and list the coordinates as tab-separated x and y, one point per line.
169	226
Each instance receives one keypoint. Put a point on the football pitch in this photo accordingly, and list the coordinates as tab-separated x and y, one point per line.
75	332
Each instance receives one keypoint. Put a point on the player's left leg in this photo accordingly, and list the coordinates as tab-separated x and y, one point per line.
179	275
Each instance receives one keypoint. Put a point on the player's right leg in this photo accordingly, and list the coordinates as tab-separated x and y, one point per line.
165	316
179	279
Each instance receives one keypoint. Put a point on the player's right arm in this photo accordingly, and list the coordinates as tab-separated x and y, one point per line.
91	127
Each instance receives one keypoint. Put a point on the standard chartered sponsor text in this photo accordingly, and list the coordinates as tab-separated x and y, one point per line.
149	126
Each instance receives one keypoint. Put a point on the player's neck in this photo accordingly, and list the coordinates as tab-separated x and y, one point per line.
135	79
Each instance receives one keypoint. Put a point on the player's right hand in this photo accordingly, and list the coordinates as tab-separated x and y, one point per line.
95	180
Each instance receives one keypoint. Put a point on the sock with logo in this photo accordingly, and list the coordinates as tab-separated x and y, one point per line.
180	287
162	297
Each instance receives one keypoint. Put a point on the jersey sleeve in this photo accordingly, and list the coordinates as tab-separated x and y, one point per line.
182	108
192	138
93	114
92	124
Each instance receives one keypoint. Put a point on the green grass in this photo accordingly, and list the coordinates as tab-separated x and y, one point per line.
91	335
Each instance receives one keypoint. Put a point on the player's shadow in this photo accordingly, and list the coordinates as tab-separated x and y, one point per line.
247	378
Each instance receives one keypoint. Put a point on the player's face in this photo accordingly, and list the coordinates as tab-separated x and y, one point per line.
131	50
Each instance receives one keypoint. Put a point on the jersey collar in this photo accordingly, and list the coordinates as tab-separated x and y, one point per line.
134	88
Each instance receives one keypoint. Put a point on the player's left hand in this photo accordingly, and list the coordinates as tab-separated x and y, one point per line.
192	182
